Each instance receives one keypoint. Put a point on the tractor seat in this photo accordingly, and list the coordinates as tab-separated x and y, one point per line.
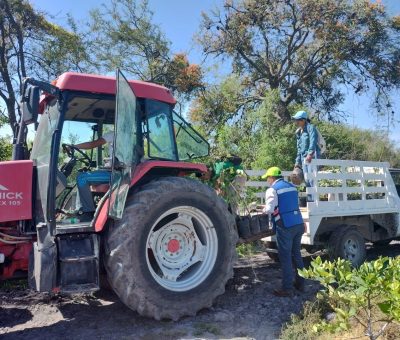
100	188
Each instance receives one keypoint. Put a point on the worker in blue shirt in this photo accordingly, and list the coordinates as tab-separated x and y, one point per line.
307	143
282	203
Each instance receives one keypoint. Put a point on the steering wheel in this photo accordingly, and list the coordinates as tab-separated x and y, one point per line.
70	151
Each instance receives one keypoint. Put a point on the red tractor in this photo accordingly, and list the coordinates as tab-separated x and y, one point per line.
165	241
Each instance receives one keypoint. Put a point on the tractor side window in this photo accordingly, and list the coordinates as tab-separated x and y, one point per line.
189	142
160	135
41	153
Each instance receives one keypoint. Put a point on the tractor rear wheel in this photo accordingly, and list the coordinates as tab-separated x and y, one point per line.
174	249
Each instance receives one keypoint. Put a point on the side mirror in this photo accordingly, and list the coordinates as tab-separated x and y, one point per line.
30	104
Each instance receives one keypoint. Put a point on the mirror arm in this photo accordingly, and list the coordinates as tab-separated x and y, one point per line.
45	87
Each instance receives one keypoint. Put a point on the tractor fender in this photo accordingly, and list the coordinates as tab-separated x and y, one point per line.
162	168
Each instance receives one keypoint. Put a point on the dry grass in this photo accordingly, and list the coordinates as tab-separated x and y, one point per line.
300	326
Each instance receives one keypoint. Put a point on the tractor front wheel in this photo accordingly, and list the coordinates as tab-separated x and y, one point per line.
174	249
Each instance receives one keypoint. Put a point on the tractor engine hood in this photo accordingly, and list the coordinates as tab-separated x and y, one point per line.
16	190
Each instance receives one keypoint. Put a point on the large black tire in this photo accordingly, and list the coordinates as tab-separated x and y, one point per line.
126	248
346	242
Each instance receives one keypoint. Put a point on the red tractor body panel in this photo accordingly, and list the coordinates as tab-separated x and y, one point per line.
17	259
16	190
141	170
106	85
92	83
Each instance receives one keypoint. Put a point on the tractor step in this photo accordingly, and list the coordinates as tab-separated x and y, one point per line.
82	288
83	227
78	260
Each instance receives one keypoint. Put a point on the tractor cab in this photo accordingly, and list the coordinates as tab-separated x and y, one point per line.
82	108
146	139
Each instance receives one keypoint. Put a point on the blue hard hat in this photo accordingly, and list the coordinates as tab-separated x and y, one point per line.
300	115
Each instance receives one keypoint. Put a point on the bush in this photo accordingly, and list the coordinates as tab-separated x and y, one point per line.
5	149
370	294
262	141
300	326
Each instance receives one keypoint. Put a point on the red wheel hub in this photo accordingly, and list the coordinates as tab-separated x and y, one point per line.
173	246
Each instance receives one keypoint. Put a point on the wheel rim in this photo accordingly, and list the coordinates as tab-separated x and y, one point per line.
181	248
352	250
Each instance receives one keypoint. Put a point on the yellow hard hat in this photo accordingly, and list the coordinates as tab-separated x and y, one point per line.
272	172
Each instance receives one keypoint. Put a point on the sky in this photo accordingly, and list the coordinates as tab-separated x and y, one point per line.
180	20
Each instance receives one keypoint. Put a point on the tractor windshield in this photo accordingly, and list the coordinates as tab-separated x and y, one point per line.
169	136
190	143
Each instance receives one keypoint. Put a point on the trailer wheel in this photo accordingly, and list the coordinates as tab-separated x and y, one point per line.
347	243
174	249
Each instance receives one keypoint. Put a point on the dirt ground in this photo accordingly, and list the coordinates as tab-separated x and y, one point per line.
247	310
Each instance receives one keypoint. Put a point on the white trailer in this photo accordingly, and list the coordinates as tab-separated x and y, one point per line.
352	202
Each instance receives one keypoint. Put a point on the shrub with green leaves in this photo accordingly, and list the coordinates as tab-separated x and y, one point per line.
5	149
363	294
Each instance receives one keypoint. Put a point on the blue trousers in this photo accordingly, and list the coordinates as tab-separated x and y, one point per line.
84	199
289	243
307	167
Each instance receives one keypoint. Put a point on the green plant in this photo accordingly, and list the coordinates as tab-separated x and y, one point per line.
361	294
248	249
300	327
202	327
5	149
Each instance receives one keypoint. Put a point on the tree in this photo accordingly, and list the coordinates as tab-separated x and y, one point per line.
32	46
125	36
308	50
260	138
218	104
5	145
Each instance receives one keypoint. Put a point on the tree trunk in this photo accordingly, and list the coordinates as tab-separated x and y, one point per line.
282	112
12	119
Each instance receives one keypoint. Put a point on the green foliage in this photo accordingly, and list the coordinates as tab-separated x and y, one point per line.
5	144
248	249
33	46
306	49
124	36
203	327
218	104
356	293
260	138
344	142
64	50
300	327
5	149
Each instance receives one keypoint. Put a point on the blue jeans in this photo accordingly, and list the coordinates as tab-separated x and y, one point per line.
307	167
289	243
84	199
